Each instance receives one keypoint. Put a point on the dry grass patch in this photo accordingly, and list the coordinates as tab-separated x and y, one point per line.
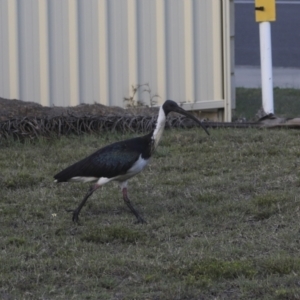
222	212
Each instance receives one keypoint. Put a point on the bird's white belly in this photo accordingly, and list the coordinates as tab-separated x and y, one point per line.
83	179
138	166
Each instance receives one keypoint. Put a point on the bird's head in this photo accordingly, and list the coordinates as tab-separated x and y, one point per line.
171	105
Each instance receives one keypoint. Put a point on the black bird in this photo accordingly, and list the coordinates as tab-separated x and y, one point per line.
120	161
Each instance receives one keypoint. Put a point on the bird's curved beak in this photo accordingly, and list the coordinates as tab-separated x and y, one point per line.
185	113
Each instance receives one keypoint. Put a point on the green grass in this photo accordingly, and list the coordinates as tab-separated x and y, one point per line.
222	211
249	101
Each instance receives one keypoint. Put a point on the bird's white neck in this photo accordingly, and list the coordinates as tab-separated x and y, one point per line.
160	126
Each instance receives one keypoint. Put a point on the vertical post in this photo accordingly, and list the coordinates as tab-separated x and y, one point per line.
265	12
266	66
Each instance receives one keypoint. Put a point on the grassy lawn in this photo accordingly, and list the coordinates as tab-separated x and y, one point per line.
249	101
223	220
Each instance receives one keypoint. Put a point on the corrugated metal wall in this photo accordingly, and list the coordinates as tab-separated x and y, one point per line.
66	52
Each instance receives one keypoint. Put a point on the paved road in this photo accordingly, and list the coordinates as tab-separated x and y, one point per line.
285	34
285	45
250	77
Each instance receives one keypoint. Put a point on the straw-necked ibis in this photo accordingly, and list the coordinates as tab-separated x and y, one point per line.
120	161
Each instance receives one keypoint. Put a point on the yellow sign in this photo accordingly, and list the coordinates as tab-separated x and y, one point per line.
265	10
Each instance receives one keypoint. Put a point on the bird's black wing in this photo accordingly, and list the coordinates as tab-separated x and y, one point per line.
110	161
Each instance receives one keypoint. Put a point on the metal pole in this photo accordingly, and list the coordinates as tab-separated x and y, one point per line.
266	66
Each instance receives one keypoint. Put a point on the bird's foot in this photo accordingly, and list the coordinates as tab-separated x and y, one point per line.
75	212
140	220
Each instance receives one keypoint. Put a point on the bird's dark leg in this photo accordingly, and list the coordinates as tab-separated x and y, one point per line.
88	194
133	210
